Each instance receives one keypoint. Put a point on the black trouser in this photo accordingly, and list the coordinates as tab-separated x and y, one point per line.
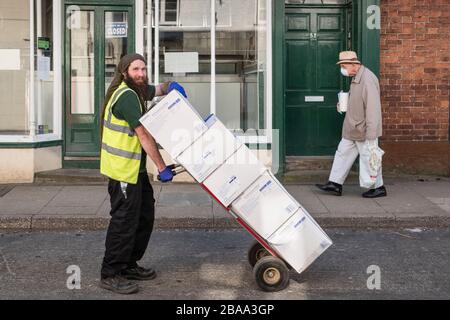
130	227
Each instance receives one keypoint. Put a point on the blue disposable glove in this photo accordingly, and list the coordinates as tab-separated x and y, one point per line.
176	86
166	175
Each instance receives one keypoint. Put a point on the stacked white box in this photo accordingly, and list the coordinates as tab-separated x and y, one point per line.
174	123
234	176
300	240
265	205
210	151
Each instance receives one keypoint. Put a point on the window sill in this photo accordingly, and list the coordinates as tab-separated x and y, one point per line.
29	142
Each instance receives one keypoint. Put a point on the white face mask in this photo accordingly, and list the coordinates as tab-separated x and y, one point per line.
344	72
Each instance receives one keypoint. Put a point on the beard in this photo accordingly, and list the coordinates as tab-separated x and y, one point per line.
141	87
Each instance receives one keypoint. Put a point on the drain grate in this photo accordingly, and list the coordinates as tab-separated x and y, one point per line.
5	188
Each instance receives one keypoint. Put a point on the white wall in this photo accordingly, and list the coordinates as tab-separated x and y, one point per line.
16	166
20	165
46	159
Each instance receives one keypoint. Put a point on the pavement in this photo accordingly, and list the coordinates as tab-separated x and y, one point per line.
411	202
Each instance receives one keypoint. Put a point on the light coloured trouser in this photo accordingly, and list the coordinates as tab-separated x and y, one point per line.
345	157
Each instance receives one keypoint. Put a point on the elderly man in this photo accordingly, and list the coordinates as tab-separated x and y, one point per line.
361	130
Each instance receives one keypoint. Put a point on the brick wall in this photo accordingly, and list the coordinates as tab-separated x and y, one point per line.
415	69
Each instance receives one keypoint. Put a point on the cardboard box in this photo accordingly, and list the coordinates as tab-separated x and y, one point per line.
234	176
210	151
265	205
174	123
300	240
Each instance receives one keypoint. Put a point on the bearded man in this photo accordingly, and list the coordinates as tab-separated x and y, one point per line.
125	146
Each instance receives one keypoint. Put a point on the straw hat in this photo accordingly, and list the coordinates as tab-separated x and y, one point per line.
348	57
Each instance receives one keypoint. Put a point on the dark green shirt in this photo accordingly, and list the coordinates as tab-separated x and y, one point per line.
128	108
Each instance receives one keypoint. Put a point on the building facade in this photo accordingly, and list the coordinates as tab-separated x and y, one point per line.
265	67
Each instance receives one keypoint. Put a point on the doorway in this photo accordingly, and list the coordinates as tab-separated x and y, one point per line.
96	37
314	36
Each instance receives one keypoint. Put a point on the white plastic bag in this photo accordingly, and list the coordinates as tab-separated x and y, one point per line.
375	159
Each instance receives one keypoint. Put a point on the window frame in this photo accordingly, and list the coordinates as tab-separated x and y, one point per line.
32	136
142	29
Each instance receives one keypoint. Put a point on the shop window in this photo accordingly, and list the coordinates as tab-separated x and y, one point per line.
169	12
240	61
44	74
14	66
317	1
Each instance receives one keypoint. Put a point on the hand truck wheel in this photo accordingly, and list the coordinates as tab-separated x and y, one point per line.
256	252
271	274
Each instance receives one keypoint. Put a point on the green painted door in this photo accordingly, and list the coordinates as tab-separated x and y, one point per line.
96	37
313	39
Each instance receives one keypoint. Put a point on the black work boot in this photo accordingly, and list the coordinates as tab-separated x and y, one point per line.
139	273
119	284
331	187
375	193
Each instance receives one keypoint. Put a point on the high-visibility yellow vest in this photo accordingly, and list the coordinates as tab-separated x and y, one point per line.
121	153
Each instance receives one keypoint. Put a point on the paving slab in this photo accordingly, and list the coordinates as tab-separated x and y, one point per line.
222	218
351	203
104	209
32	193
69	211
307	198
181	187
156	191
401	198
443	203
183	199
80	196
439	188
27	200
24	207
184	212
220	212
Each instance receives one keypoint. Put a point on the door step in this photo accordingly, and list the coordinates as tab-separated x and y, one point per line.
308	163
310	170
81	158
71	177
315	176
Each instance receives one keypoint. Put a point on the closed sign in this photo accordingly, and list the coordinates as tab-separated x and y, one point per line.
116	30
